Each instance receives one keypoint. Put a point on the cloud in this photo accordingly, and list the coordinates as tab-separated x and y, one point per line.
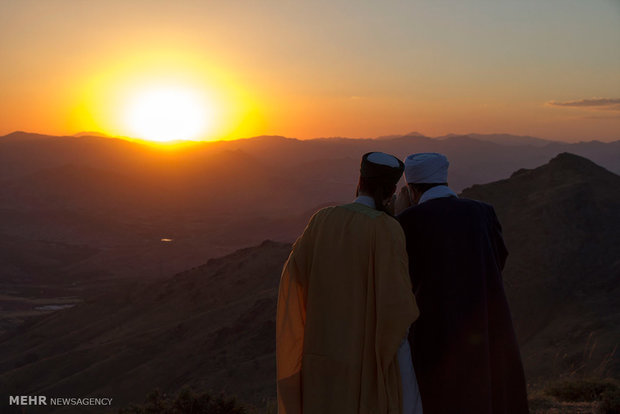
603	117
602	104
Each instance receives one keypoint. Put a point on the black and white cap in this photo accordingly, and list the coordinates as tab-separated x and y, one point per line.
379	165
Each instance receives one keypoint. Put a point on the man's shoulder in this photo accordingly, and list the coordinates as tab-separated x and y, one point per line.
481	206
373	216
444	205
359	208
324	211
454	202
321	213
339	214
474	204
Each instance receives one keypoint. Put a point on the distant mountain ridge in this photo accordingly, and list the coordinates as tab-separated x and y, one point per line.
473	160
498	138
91	134
504	139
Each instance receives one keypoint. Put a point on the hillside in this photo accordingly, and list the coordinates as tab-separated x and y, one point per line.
211	327
562	227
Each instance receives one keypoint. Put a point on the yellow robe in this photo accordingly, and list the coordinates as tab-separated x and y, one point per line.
344	306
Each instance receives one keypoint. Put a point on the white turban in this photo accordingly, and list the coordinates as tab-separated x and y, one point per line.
426	168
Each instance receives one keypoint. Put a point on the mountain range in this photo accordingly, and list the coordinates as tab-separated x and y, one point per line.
212	325
103	205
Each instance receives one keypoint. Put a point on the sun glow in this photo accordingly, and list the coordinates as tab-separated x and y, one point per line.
166	96
168	113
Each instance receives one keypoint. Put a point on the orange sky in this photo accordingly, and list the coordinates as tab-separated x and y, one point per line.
314	69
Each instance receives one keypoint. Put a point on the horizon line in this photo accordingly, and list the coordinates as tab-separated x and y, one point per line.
97	134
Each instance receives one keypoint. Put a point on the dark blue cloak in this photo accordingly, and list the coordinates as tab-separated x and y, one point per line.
464	348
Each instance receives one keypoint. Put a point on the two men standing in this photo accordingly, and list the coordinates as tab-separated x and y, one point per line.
346	303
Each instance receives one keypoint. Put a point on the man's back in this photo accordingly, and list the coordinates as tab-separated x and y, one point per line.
465	353
344	306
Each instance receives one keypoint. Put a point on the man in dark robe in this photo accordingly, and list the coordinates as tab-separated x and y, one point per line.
465	352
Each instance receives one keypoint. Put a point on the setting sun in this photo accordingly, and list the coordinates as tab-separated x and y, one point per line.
166	114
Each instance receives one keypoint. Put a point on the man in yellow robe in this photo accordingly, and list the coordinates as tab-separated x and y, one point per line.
345	304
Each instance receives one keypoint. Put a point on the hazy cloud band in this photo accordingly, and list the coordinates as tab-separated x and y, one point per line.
595	103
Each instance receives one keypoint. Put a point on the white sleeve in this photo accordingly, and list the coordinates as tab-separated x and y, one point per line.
412	403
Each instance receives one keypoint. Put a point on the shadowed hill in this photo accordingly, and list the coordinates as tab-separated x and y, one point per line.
211	327
562	228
